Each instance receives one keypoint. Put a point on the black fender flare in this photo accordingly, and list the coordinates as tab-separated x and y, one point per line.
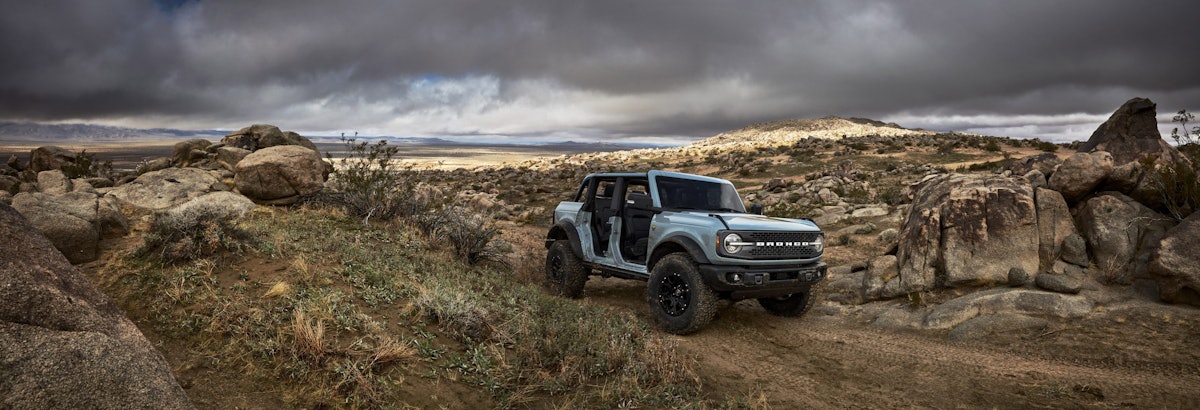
565	230
665	246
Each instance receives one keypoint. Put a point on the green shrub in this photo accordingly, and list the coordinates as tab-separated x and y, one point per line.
1045	146
991	146
374	183
85	166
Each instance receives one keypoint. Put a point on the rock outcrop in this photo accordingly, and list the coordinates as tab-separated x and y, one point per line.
1131	133
280	175
63	343
168	187
259	136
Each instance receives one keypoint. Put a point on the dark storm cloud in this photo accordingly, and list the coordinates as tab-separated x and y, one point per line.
591	69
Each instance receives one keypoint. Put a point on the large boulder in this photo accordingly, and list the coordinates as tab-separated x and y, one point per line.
1054	225
259	136
1120	233
1131	133
74	222
280	175
1080	174
50	157
1177	265
965	230
168	187
63	343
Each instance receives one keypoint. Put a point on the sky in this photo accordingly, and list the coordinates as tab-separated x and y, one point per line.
638	71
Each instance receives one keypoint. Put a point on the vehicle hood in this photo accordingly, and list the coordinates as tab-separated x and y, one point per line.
752	222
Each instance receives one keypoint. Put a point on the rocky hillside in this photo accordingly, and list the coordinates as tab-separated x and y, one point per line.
787	132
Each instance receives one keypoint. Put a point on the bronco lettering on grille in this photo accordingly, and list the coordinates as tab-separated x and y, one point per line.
765	244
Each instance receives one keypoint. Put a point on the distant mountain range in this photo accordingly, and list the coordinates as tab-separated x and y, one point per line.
32	131
67	133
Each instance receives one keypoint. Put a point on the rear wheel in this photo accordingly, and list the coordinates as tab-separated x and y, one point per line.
792	305
679	299
565	273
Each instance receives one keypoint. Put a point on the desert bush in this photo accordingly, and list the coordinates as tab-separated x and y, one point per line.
947	148
474	236
991	146
1188	137
375	183
194	230
1045	146
85	166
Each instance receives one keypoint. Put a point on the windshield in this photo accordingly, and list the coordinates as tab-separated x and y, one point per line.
678	193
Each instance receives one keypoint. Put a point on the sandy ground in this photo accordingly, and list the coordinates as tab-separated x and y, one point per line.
828	359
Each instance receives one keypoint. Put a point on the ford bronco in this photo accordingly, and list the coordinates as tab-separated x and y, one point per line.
690	238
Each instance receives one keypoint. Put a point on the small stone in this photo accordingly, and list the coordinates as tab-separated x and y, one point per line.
1059	283
1074	250
1017	277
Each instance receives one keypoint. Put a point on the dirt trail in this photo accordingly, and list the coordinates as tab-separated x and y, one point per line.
822	361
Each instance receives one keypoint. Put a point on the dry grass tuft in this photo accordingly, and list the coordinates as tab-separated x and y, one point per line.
392	351
309	339
279	289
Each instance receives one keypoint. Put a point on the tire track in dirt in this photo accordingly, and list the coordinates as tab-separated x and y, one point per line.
820	361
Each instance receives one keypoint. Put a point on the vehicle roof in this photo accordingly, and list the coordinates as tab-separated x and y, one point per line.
657	173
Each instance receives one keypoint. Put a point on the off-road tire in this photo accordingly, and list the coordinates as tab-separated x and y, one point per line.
565	273
679	300
793	305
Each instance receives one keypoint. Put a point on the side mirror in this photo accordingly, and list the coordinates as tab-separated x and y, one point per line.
756	208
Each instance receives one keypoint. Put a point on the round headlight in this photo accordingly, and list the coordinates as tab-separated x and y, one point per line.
819	244
729	242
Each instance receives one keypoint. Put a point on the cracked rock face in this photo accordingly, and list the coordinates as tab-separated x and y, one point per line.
966	230
167	188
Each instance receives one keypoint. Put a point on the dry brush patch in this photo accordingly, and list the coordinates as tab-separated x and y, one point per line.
349	315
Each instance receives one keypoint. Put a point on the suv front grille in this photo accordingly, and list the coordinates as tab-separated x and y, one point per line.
782	245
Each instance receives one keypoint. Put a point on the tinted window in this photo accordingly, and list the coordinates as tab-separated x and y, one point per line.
679	193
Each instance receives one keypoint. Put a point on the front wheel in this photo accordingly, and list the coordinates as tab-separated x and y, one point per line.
679	299
792	305
565	273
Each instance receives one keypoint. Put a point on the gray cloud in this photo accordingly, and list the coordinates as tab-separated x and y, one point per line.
560	69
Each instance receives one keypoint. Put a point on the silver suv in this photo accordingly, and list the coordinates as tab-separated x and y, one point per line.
691	238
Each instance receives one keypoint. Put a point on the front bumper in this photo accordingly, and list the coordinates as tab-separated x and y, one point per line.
746	282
